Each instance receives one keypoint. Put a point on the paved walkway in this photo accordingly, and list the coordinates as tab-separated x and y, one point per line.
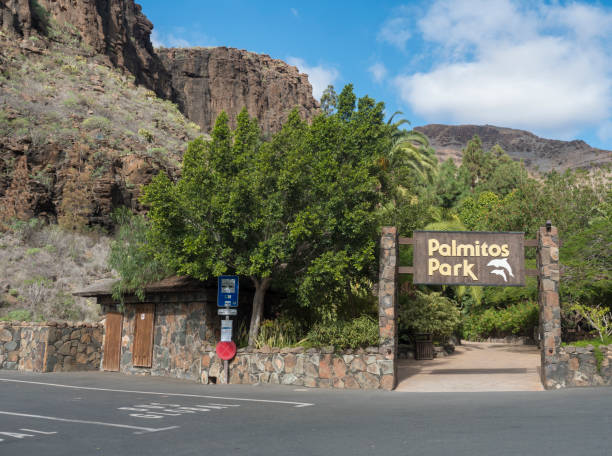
475	366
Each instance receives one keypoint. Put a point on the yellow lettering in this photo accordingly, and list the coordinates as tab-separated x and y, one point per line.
467	270
465	250
445	269
494	250
505	251
456	270
454	244
445	250
477	248
433	246
484	249
433	266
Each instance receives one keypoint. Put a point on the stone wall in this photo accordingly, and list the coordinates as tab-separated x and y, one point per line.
74	347
353	369
10	344
577	366
50	347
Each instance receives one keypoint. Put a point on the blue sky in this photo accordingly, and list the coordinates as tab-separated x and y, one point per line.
545	67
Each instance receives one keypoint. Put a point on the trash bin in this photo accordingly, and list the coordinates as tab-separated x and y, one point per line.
423	344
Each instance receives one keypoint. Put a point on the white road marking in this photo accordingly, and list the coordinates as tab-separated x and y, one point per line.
97	423
38	432
16	435
58	385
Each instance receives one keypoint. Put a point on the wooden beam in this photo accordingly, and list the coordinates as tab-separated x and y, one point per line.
531	272
531	242
405	270
405	240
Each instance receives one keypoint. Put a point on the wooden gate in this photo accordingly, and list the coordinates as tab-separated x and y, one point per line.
112	341
143	335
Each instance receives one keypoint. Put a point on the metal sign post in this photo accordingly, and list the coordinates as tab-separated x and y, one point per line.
227	301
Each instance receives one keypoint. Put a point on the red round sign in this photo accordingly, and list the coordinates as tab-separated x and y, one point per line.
226	350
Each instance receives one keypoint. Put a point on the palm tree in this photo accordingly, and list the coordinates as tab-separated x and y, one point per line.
410	149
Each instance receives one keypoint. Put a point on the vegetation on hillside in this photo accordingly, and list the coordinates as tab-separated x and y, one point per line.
77	137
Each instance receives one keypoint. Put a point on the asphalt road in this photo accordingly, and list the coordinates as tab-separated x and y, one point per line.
111	414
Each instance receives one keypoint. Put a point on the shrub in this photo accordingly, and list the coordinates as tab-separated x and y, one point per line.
97	123
17	315
146	135
280	332
359	332
518	320
599	317
429	313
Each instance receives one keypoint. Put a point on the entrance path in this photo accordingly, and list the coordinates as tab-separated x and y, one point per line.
474	366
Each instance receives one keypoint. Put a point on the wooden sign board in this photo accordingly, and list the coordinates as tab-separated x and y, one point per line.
469	258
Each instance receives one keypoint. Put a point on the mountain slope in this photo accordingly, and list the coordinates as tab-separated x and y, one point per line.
538	154
78	137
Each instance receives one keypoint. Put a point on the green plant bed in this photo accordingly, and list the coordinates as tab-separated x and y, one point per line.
360	332
516	320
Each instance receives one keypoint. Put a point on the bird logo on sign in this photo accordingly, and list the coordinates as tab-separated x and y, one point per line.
502	266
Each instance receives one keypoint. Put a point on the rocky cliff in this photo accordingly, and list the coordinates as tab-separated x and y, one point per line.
209	80
539	154
114	28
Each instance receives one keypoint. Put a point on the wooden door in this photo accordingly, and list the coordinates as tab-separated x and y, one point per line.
143	335
112	341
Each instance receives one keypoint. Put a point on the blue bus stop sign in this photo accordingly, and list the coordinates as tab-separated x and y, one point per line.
227	291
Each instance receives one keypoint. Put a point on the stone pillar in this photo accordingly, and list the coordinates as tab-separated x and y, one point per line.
550	311
387	297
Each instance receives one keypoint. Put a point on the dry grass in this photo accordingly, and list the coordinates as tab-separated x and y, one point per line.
44	265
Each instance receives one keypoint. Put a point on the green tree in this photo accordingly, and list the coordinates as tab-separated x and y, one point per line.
329	100
346	103
129	256
448	184
474	161
301	206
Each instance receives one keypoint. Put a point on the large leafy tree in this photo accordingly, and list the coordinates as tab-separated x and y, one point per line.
301	206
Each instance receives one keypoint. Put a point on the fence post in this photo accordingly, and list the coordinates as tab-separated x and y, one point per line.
550	310
387	296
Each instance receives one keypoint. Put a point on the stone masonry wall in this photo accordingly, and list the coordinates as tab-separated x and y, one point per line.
50	347
74	347
353	369
10	343
577	366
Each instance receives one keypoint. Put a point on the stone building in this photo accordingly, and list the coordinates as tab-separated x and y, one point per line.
164	334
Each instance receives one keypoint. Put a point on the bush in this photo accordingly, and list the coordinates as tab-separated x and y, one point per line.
517	320
281	332
17	315
97	123
359	332
428	313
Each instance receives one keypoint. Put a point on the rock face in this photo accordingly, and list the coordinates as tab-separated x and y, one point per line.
539	154
209	80
115	28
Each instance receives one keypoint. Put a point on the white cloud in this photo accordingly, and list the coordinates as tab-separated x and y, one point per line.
181	37
319	76
395	31
548	68
295	12
378	71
